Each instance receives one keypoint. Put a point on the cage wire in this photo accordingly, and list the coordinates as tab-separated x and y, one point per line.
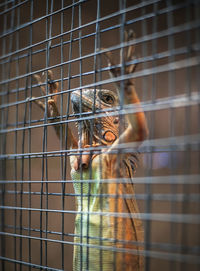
51	50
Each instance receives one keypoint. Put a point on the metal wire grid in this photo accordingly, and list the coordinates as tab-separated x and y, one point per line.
37	200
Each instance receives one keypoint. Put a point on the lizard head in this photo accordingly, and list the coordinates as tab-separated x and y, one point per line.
99	127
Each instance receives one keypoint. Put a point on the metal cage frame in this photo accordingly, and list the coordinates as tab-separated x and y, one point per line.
70	37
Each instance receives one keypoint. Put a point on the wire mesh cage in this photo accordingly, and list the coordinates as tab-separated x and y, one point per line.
71	196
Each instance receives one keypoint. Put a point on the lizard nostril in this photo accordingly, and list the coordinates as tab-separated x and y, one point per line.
84	161
84	166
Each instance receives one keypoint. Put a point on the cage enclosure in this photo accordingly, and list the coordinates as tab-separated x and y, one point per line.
71	197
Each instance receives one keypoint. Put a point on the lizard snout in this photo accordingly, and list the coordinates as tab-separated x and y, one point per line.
82	101
75	103
82	163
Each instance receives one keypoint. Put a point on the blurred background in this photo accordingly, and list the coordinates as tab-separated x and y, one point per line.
66	36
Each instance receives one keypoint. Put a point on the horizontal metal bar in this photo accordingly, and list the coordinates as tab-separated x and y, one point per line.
191	197
148	16
38	19
140	5
159	104
32	265
155	254
158	56
185	63
13	7
69	242
83	236
174	30
6	3
171	144
163	217
171	179
150	148
163	246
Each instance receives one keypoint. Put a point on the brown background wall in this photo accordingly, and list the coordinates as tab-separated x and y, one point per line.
182	120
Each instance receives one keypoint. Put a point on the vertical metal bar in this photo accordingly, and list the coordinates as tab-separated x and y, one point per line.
145	95
187	128
47	205
46	158
144	53
4	123
42	188
7	94
122	6
97	66
61	140
91	141
22	163
197	40
50	24
44	144
122	19
44	147
29	136
42	192
16	139
64	172
148	191
69	82
80	128
171	92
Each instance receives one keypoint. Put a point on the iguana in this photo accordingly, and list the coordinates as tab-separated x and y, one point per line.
105	239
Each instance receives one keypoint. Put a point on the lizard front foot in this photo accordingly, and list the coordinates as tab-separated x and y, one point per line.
127	55
52	110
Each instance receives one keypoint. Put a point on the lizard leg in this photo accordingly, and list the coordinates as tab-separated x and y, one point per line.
52	109
137	129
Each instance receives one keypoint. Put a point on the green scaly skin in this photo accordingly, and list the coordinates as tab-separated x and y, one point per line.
90	253
87	257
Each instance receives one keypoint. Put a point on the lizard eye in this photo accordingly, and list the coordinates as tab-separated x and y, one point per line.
106	98
109	136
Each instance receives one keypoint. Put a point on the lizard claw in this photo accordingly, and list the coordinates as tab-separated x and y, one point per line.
52	110
129	51
113	70
128	36
128	56
39	81
53	86
109	58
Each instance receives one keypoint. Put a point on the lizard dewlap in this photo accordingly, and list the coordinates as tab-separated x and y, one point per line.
89	223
